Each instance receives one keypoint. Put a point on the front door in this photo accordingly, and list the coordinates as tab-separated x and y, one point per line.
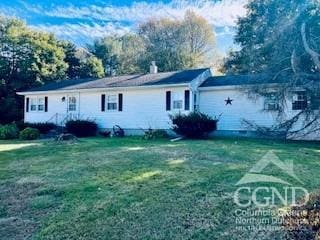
72	107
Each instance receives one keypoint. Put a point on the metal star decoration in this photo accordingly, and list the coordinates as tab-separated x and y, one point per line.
228	101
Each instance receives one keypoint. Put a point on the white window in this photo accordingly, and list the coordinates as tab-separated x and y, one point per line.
177	101
271	102
33	104
41	104
177	104
112	102
300	101
72	104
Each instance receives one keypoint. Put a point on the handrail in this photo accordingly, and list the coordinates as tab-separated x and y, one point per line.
55	116
64	118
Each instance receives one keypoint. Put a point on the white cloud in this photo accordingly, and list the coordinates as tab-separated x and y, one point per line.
84	24
218	13
83	33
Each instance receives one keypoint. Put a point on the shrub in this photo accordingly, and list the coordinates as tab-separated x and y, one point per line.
82	128
151	134
43	127
29	134
193	125
9	131
302	221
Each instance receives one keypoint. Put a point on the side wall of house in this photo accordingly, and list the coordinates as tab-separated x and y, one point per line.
212	102
142	108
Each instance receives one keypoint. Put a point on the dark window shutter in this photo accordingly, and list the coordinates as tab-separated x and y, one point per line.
168	100
46	104
120	102
103	103
187	100
27	104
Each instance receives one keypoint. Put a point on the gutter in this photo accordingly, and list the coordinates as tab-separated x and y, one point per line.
232	87
103	89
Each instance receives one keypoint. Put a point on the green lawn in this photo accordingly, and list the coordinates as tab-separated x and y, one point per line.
134	189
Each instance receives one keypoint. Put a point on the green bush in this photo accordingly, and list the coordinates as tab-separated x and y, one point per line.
193	125
152	134
43	127
29	134
82	128
9	131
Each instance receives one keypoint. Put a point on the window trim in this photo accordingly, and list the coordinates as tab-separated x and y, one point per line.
177	96
35	100
271	98
296	101
116	102
43	104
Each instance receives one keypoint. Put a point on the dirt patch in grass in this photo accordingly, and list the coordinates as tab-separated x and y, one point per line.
22	208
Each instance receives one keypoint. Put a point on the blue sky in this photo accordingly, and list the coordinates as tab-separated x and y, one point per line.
82	21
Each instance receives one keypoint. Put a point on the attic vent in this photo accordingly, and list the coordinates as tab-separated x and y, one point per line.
153	68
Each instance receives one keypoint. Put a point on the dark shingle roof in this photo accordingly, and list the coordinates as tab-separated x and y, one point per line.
178	77
237	80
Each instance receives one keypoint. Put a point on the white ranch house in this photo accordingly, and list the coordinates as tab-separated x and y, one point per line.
137	102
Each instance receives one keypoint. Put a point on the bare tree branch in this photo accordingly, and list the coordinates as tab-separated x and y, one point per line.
314	55
294	61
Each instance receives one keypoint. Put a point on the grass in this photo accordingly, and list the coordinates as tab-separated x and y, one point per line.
134	189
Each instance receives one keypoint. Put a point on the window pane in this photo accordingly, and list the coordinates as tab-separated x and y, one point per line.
271	102
112	102
300	101
40	104
177	104
112	106
33	104
40	107
72	104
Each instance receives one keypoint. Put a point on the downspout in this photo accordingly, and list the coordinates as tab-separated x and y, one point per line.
194	87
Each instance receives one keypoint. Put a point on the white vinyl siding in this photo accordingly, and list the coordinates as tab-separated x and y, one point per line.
142	108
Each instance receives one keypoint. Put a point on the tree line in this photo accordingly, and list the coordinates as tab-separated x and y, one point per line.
29	58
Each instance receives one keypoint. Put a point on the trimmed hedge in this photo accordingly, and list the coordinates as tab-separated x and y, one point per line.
193	125
9	131
82	128
29	134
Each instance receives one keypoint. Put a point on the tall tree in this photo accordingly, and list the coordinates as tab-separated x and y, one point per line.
71	59
198	38
282	38
173	44
178	44
119	54
27	58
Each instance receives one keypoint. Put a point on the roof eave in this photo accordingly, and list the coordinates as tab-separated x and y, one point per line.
226	87
104	89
